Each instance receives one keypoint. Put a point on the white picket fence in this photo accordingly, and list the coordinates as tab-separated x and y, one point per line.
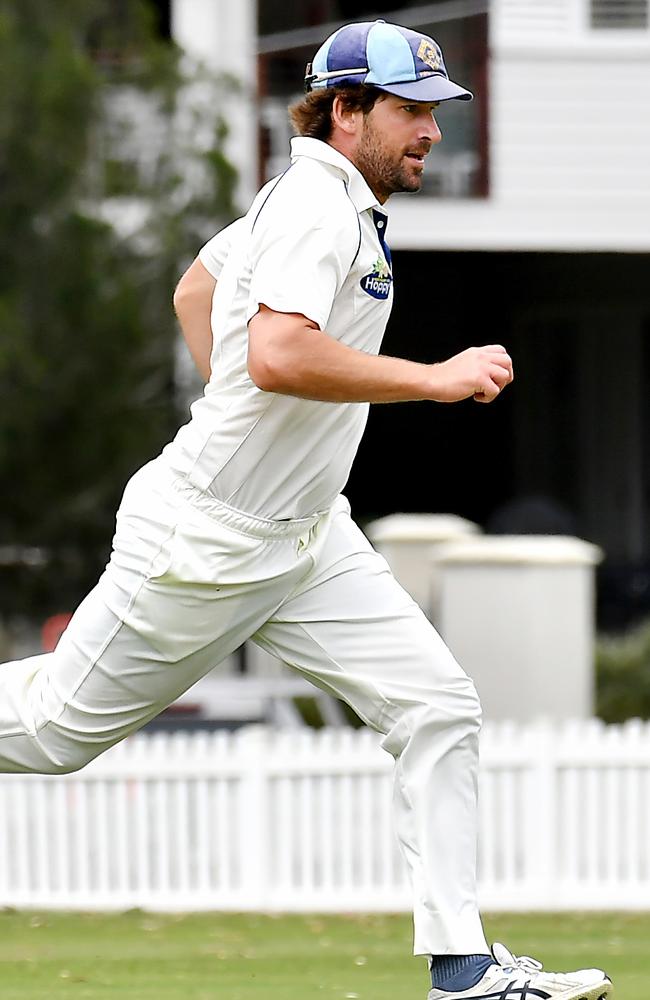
301	820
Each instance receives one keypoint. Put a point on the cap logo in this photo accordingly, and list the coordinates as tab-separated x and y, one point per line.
430	54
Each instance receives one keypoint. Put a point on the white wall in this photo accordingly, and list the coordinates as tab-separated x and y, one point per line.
223	34
569	141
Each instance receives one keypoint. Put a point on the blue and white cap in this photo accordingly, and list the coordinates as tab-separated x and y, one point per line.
392	58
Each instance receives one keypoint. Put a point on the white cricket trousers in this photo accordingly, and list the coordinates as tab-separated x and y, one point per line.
188	581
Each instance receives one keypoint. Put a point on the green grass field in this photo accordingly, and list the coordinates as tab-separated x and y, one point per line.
142	956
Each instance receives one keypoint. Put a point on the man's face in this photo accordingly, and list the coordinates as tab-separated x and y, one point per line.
396	136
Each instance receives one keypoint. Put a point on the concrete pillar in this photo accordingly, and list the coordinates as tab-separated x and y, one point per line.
222	34
518	614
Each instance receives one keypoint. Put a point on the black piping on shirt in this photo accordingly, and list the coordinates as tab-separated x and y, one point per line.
279	180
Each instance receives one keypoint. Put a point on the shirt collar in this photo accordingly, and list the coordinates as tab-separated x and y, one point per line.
360	194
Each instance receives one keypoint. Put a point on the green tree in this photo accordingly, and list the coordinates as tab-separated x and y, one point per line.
97	220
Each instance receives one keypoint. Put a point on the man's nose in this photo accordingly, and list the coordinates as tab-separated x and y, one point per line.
433	131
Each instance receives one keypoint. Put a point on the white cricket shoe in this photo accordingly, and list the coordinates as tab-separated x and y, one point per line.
524	979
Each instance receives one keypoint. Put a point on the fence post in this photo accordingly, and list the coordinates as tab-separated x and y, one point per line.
296	821
541	808
253	816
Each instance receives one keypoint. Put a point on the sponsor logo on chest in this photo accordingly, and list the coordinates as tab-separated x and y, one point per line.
377	283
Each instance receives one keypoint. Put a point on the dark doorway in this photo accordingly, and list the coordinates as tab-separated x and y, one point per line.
162	17
574	428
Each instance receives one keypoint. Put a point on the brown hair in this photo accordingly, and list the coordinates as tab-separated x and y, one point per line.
312	115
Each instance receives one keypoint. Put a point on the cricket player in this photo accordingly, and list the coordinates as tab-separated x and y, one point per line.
239	529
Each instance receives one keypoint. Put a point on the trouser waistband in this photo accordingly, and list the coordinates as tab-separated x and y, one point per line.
247	524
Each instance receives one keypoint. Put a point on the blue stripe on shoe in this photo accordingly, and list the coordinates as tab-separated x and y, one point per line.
509	992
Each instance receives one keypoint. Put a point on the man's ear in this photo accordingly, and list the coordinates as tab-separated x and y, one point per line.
344	118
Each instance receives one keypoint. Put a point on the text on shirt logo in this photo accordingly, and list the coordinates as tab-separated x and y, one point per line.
377	282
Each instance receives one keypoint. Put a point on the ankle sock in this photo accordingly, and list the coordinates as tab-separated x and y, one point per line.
458	972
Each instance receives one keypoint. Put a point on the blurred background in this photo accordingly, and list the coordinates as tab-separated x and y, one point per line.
132	130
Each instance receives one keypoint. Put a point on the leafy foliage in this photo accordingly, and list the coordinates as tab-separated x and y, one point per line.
623	675
104	198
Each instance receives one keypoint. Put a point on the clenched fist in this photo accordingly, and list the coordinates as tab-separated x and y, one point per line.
481	372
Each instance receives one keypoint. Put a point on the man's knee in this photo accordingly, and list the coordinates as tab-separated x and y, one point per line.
454	708
61	767
50	750
465	702
454	699
33	754
457	704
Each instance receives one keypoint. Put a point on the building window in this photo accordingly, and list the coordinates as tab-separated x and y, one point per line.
456	169
620	13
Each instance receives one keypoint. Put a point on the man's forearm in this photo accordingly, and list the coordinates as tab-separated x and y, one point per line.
325	369
291	356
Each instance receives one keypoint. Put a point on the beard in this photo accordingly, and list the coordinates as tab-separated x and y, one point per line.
384	169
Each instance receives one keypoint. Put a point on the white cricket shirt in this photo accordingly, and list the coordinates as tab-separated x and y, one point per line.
312	243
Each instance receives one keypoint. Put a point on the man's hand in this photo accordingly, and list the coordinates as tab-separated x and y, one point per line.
481	372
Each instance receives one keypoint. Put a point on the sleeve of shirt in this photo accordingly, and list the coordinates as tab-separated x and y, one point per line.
213	254
300	255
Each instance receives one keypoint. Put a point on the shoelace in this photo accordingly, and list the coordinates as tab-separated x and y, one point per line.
527	963
512	963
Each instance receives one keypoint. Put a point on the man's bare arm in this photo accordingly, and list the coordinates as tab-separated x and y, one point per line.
193	303
288	354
